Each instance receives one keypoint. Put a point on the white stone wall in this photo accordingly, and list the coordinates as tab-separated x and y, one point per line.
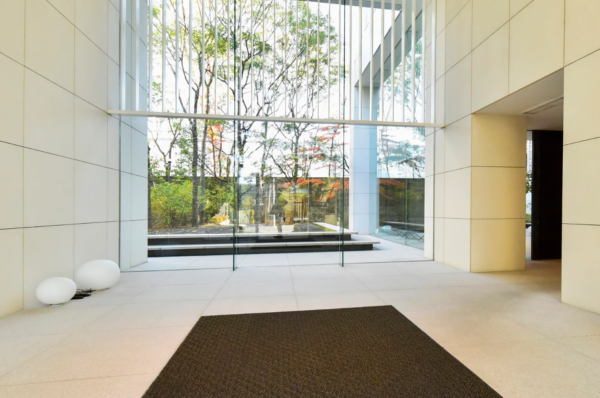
134	149
487	50
59	149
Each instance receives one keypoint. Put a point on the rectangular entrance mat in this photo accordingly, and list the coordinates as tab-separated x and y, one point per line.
351	352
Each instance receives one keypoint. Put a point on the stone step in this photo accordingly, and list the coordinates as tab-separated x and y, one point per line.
258	247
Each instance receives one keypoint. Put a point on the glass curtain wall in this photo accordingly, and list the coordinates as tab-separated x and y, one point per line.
401	151
278	58
284	186
401	181
246	182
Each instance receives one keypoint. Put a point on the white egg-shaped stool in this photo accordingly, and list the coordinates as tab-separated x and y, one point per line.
55	291
98	275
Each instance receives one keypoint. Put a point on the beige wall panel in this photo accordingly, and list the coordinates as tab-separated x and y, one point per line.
536	43
429	237
49	43
440	54
48	253
48	189
125	205
441	15
114	21
429	196
457	194
430	155
428	70
488	16
457	243
440	98
112	201
49	116
581	266
439	200
582	99
139	242
581	183
438	243
458	91
458	145
453	7
499	140
490	69
113	142
440	159
517	6
125	246
498	192
11	100
582	30
11	177
90	243
90	193
113	85
497	245
11	269
91	17
12	29
139	198
91	133
65	7
113	242
91	72
458	37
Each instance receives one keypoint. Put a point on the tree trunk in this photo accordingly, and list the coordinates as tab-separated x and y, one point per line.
194	173
257	208
203	177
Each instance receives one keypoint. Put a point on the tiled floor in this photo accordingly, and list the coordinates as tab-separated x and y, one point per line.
509	328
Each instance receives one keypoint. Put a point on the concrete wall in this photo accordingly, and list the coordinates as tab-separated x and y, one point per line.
487	50
59	149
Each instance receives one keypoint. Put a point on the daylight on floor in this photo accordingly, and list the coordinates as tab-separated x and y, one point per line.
307	198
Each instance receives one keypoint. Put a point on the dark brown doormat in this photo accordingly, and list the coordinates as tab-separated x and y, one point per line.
353	352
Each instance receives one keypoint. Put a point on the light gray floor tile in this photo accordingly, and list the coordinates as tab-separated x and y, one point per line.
96	354
338	300
204	291
193	277
150	315
260	274
17	350
240	289
532	369
248	305
394	282
329	285
118	387
67	318
319	272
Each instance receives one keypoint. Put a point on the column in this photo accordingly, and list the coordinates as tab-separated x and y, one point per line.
479	193
364	198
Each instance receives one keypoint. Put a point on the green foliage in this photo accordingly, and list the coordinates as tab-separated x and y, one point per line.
171	204
528	180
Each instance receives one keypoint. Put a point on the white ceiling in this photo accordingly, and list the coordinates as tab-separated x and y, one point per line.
532	96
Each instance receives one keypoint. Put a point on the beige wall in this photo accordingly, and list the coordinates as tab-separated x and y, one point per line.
486	50
59	149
